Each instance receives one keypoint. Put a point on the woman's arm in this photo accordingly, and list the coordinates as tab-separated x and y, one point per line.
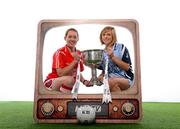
117	61
101	76
85	82
64	71
68	69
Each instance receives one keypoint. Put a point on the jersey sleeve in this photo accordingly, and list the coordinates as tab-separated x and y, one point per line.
126	57
58	58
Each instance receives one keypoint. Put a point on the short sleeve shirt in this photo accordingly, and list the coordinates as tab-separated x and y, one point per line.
61	59
112	67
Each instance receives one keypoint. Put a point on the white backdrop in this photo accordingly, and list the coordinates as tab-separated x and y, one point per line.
159	41
88	39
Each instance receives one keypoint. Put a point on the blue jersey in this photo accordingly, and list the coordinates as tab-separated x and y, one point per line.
120	51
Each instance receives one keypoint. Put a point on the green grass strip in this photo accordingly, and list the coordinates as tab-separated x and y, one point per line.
19	115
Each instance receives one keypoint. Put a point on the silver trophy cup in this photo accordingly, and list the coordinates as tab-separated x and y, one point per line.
92	58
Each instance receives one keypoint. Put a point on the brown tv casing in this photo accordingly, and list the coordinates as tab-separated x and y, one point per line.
54	107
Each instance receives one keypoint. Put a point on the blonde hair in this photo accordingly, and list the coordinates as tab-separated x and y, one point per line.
109	28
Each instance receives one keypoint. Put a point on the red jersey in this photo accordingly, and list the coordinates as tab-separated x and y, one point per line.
62	58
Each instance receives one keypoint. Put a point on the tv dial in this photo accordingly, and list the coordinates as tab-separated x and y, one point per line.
47	109
115	108
60	108
128	109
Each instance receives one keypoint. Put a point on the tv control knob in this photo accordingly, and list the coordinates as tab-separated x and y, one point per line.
128	109
60	108
47	109
115	108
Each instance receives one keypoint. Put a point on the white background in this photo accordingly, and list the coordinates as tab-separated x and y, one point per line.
159	22
88	39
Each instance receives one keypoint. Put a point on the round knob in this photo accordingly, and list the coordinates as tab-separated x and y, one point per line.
115	108
47	109
60	108
128	109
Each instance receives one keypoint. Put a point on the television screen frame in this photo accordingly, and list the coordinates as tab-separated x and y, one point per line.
41	94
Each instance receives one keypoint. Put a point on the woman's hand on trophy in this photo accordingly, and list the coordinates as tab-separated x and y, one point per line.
87	83
101	77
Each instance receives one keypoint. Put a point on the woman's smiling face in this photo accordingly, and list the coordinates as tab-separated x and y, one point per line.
71	39
107	37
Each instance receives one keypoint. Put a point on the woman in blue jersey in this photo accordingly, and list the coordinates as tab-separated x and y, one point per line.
119	66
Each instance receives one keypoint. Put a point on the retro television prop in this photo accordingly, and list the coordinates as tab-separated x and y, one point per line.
55	107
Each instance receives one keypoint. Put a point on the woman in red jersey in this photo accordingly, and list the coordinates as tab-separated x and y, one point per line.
64	66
